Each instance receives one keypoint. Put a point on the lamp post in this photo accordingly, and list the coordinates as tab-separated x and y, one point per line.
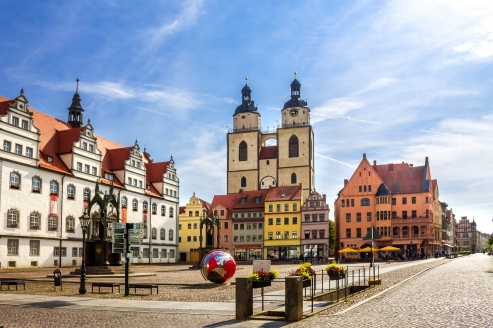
84	223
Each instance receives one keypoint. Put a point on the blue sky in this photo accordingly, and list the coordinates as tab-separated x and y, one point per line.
397	80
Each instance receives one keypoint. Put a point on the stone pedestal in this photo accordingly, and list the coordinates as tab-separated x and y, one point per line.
244	298
203	251
98	253
294	298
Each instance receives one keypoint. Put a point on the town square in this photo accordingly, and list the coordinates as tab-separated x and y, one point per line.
205	163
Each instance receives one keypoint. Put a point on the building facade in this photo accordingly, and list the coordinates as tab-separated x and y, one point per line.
467	239
189	228
398	199
49	169
253	164
315	227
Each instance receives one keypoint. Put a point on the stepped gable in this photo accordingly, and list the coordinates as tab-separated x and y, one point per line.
284	193
401	178
224	200
268	152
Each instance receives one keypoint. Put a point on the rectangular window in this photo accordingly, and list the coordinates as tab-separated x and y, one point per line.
172	253
352	202
394	201
91	148
426	199
7	145
86	169
18	149
295	207
242	226
269	221
342	203
248	238
314	217
259	237
146	253
295	220
222	212
278	221
254	238
56	251
286	220
155	253
269	236
25	124
94	171
404	200
358	232
235	226
63	252
364	189
321	234
358	217
84	145
80	251
286	234
249	226
294	235
260	225
286	207
369	187
321	217
79	166
307	217
348	233
74	251
278	235
135	183
360	188
348	217
254	226
404	214
314	234
270	207
413	200
15	121
12	246
189	226
413	214
129	181
235	239
29	152
394	214
189	238
278	207
226	238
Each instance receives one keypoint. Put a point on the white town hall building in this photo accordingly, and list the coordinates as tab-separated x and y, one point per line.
48	171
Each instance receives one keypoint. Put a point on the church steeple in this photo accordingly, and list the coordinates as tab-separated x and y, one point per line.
75	111
295	95
247	104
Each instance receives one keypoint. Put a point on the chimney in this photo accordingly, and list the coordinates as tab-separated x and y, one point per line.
345	182
374	164
411	165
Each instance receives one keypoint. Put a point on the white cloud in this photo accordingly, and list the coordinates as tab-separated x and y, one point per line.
337	161
336	107
377	84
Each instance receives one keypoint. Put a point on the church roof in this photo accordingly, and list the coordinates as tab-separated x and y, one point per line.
268	152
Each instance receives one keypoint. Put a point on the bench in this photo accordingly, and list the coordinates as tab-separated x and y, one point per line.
144	286
390	261
12	283
105	284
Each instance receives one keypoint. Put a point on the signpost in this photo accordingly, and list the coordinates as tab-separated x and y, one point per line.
125	234
372	234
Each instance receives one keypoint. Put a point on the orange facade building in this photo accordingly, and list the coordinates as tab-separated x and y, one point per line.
400	200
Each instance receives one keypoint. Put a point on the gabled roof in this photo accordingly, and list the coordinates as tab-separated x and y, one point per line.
67	138
284	193
401	178
155	171
205	205
224	200
115	158
4	105
268	152
249	200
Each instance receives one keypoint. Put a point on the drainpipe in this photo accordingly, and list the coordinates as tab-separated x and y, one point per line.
150	235
61	225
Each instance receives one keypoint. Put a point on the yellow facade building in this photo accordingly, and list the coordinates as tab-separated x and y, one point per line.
189	228
282	223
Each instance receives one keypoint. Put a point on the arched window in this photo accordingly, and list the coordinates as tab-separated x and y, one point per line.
145	206
154	208
70	224
154	233
163	210
171	212
404	231
243	182
163	234
54	187
395	231
293	178
15	180
170	235
243	151
36	184
71	191
124	202
12	218
87	195
35	220
135	204
365	202
293	146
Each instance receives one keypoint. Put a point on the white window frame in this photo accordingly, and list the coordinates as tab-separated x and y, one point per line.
18	149
36	184
12	247
54	187
29	152
7	145
34	246
12	218
35	220
15	180
71	191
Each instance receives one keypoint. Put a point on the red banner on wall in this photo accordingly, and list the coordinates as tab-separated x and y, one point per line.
54	205
124	215
145	216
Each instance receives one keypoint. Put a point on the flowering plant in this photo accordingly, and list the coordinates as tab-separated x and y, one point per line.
263	276
304	270
334	269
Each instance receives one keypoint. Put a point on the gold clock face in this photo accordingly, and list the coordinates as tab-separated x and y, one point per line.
293	112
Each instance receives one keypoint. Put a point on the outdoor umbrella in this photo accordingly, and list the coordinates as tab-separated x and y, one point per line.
389	249
348	250
368	249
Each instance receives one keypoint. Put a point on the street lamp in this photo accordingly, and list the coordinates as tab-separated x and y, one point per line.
84	223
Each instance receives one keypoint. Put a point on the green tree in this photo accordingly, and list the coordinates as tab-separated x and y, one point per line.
332	234
489	242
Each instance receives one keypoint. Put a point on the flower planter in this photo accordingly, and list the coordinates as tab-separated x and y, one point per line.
336	276
259	284
307	283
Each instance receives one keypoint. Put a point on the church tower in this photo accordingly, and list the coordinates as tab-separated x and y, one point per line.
295	143
243	145
75	111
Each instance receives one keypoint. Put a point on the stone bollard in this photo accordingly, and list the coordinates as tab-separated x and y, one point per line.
244	298
294	298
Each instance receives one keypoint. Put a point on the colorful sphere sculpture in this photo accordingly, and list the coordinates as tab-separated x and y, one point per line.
218	266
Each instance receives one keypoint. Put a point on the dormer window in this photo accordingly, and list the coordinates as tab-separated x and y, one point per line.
108	176
50	159
243	201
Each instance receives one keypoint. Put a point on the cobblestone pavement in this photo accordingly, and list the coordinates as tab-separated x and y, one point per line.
456	294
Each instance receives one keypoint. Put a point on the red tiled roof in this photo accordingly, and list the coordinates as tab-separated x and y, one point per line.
152	191
182	209
4	105
268	152
249	197
224	200
67	138
115	158
284	193
434	184
205	205
401	177
155	171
